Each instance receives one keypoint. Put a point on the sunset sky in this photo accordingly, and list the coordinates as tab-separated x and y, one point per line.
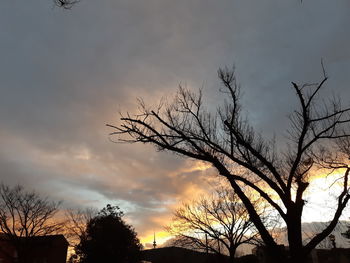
64	74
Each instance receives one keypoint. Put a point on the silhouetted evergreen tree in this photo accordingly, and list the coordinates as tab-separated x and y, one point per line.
108	239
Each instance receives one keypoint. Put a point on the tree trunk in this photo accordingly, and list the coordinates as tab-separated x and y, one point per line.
296	251
232	253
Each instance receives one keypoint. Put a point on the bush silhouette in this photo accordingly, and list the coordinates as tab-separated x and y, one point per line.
108	239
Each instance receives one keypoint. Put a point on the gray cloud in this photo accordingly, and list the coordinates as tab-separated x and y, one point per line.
64	74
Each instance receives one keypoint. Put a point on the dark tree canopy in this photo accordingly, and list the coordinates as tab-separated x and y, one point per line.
318	139
108	239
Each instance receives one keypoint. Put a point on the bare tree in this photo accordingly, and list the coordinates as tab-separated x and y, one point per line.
76	222
24	215
318	138
65	4
75	229
218	224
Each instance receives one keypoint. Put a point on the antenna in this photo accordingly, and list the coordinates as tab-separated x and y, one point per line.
154	240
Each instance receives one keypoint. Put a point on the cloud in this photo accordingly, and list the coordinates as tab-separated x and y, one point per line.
65	74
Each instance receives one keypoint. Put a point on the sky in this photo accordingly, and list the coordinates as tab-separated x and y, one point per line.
64	74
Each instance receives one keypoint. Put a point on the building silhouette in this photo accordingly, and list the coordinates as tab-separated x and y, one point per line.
39	249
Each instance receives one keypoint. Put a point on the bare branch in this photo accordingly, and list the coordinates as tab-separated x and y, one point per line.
319	139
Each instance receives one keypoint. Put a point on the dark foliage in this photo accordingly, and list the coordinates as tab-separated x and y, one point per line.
108	239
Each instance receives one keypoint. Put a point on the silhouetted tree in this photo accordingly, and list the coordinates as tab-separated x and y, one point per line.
75	225
107	238
218	223
318	139
24	215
